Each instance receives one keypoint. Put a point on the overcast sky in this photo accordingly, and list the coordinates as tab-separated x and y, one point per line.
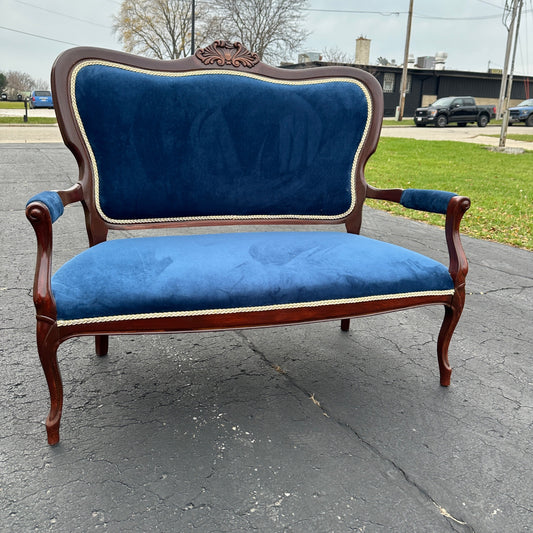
471	32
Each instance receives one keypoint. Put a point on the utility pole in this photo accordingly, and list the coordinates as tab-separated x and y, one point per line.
505	120
510	32
192	28
403	88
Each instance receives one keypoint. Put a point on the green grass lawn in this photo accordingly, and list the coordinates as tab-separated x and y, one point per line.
20	120
516	137
11	105
499	185
31	120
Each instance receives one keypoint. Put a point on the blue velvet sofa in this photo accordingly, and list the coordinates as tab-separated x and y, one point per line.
215	139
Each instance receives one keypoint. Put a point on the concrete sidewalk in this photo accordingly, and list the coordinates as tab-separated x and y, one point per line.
45	133
301	429
488	136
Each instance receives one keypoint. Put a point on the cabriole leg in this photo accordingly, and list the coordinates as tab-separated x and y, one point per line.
451	318
48	356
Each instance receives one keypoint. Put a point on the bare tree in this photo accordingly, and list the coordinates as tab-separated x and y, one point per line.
336	55
18	82
41	84
159	28
162	28
271	28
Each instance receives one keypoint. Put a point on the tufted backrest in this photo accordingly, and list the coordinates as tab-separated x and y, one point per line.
218	144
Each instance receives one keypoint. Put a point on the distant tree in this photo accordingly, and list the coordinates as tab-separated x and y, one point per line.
18	82
42	85
336	55
3	82
162	28
159	28
271	28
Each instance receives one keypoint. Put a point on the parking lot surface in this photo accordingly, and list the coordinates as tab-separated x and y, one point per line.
294	429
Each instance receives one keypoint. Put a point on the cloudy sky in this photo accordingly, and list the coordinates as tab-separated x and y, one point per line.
471	32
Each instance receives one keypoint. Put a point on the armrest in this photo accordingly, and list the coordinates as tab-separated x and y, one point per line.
42	210
426	200
52	201
419	199
457	207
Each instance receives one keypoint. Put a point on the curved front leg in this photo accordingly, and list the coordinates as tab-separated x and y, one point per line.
451	318
47	345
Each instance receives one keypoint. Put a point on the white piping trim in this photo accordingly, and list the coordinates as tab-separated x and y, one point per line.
233	310
94	165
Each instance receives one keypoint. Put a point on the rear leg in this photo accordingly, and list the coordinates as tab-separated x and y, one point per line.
345	324
101	344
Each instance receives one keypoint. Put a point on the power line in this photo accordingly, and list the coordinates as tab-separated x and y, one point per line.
397	13
432	17
61	14
38	36
383	13
490	4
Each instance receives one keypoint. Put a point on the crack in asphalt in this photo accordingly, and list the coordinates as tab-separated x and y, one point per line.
452	521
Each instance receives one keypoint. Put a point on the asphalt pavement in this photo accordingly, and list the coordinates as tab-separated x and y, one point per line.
297	429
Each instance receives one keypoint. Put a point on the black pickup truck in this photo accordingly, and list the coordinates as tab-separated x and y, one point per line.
460	109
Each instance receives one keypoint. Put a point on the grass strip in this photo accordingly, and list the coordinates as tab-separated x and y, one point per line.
516	137
499	185
31	120
11	105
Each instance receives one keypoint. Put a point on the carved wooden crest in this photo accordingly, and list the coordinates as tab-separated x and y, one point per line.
225	53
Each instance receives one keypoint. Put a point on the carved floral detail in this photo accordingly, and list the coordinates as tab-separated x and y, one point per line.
225	53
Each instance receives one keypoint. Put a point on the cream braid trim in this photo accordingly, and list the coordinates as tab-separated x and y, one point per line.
233	310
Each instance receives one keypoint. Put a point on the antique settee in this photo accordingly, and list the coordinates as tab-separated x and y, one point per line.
215	139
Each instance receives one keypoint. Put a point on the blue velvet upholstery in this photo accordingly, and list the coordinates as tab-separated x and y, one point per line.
52	200
215	143
426	200
237	270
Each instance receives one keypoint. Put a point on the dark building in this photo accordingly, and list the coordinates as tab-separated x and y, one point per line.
424	86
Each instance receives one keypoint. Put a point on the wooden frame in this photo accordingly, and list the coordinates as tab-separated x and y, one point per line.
232	57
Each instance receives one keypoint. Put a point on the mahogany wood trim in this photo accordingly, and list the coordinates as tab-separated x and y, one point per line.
224	53
390	195
458	263
39	217
246	320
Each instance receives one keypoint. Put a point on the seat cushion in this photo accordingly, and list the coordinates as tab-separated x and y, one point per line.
204	274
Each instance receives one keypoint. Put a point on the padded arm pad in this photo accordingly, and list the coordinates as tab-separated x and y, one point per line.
52	201
426	200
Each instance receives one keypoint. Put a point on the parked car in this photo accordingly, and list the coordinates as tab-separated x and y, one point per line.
523	112
41	99
460	109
